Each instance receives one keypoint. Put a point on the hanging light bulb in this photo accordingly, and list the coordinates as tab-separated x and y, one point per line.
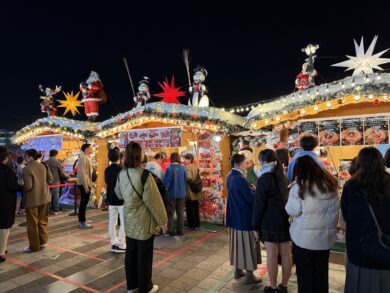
254	125
266	121
277	118
370	97
329	104
357	98
302	111
315	108
385	97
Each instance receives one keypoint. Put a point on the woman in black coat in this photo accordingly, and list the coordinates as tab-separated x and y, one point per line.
271	219
8	189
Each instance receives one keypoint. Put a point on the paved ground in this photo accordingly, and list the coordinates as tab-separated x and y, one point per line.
79	261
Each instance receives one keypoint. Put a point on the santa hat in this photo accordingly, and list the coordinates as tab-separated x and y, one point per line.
201	69
93	76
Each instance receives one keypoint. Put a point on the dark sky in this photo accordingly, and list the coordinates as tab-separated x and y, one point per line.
250	48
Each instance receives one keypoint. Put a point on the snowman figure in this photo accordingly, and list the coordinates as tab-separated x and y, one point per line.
305	78
198	90
143	94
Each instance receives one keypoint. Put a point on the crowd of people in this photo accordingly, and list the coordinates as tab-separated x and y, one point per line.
293	211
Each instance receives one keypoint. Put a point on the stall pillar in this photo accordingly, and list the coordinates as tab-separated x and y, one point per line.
284	135
226	154
102	164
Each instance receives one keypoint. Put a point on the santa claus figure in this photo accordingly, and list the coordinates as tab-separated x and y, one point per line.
143	94
198	90
251	169
305	78
48	105
93	95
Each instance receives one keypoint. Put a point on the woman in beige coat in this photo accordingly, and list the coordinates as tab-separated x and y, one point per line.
144	215
192	200
36	177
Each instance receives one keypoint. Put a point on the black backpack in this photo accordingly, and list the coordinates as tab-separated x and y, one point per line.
159	183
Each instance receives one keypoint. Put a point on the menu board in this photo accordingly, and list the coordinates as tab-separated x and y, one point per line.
352	131
376	130
329	133
308	127
152	137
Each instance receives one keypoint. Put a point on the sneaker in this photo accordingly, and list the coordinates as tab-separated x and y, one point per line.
2	258
132	291
117	249
154	289
43	245
55	213
27	249
85	225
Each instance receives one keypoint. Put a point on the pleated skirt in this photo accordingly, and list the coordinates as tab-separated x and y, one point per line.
362	280
242	250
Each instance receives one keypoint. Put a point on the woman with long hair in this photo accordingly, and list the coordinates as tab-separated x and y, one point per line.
271	219
314	206
144	215
369	185
242	248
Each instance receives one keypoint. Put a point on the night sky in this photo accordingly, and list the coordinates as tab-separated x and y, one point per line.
251	51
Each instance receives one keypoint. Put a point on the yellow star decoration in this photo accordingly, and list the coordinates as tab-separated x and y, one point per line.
71	103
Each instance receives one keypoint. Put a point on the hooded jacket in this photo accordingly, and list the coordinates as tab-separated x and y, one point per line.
314	218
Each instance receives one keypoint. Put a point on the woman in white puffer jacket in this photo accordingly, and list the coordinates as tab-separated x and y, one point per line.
314	206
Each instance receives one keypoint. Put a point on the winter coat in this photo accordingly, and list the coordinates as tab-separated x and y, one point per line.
291	165
84	171
239	202
192	173
143	216
175	180
8	188
359	222
314	218
111	177
57	170
269	214
36	177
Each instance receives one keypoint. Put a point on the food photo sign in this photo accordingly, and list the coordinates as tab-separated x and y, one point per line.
372	130
153	137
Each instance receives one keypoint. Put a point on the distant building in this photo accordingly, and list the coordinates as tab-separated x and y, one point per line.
5	137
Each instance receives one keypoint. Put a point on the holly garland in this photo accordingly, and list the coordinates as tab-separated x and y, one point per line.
365	90
190	120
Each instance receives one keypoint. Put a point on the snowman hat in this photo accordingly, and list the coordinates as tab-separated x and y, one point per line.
201	69
144	80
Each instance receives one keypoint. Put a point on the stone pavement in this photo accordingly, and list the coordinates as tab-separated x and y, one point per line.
79	261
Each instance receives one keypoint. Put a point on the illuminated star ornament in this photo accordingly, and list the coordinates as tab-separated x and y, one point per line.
364	62
71	103
170	92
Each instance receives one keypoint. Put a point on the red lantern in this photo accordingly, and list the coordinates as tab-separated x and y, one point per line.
376	102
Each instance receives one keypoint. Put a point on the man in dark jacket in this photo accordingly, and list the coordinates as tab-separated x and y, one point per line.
8	188
115	205
57	170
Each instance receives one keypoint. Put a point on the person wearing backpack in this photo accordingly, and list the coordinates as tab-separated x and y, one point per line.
194	192
144	215
368	267
175	180
115	205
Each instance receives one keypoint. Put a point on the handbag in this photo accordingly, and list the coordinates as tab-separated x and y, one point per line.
196	185
375	244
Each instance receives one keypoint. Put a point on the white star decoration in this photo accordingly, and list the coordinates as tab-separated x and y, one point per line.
364	62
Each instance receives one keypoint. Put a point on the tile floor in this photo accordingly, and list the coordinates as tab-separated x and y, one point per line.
79	261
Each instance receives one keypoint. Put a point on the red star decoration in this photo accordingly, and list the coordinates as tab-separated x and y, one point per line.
170	92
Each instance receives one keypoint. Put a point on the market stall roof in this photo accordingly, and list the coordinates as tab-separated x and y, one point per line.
356	89
209	118
60	125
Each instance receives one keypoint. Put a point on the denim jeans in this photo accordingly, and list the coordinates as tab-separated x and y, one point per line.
55	196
